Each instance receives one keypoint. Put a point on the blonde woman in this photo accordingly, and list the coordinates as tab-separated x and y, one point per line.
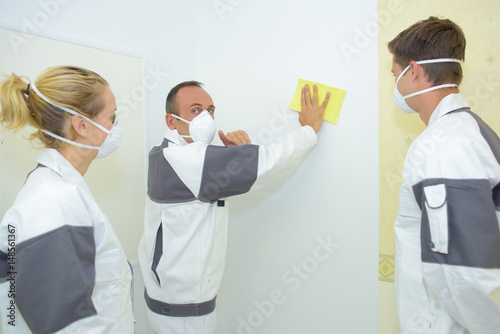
62	268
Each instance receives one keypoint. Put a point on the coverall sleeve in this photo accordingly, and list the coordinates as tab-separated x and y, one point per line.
454	185
55	270
460	237
55	278
214	172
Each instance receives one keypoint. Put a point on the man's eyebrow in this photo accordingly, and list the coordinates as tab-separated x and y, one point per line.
199	105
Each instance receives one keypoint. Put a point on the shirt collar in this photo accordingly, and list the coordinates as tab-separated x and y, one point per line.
174	137
448	103
52	159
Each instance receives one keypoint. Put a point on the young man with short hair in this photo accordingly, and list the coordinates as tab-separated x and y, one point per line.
447	229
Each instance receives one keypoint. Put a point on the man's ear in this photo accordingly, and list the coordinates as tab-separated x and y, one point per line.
79	125
171	121
416	71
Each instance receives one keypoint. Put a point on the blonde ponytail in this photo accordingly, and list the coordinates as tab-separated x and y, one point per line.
69	86
15	113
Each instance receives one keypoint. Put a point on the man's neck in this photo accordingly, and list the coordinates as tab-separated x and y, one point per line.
430	102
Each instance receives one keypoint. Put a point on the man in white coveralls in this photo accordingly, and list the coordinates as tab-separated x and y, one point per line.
447	230
183	249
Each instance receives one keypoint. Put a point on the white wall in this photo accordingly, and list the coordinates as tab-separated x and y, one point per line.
279	277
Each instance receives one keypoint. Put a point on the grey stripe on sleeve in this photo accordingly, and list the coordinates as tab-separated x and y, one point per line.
164	185
3	267
489	135
473	231
55	278
494	142
228	171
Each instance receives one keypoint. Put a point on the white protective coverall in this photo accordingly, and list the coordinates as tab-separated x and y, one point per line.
183	249
447	231
61	259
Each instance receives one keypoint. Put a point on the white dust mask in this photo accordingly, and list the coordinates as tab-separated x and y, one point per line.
201	128
109	145
112	141
400	100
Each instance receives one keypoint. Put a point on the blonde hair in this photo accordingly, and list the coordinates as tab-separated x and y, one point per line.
72	87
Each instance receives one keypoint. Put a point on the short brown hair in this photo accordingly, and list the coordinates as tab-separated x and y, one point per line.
431	39
170	105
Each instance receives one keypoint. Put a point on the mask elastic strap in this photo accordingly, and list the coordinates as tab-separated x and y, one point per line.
401	75
439	60
33	87
431	61
69	141
429	89
182	119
